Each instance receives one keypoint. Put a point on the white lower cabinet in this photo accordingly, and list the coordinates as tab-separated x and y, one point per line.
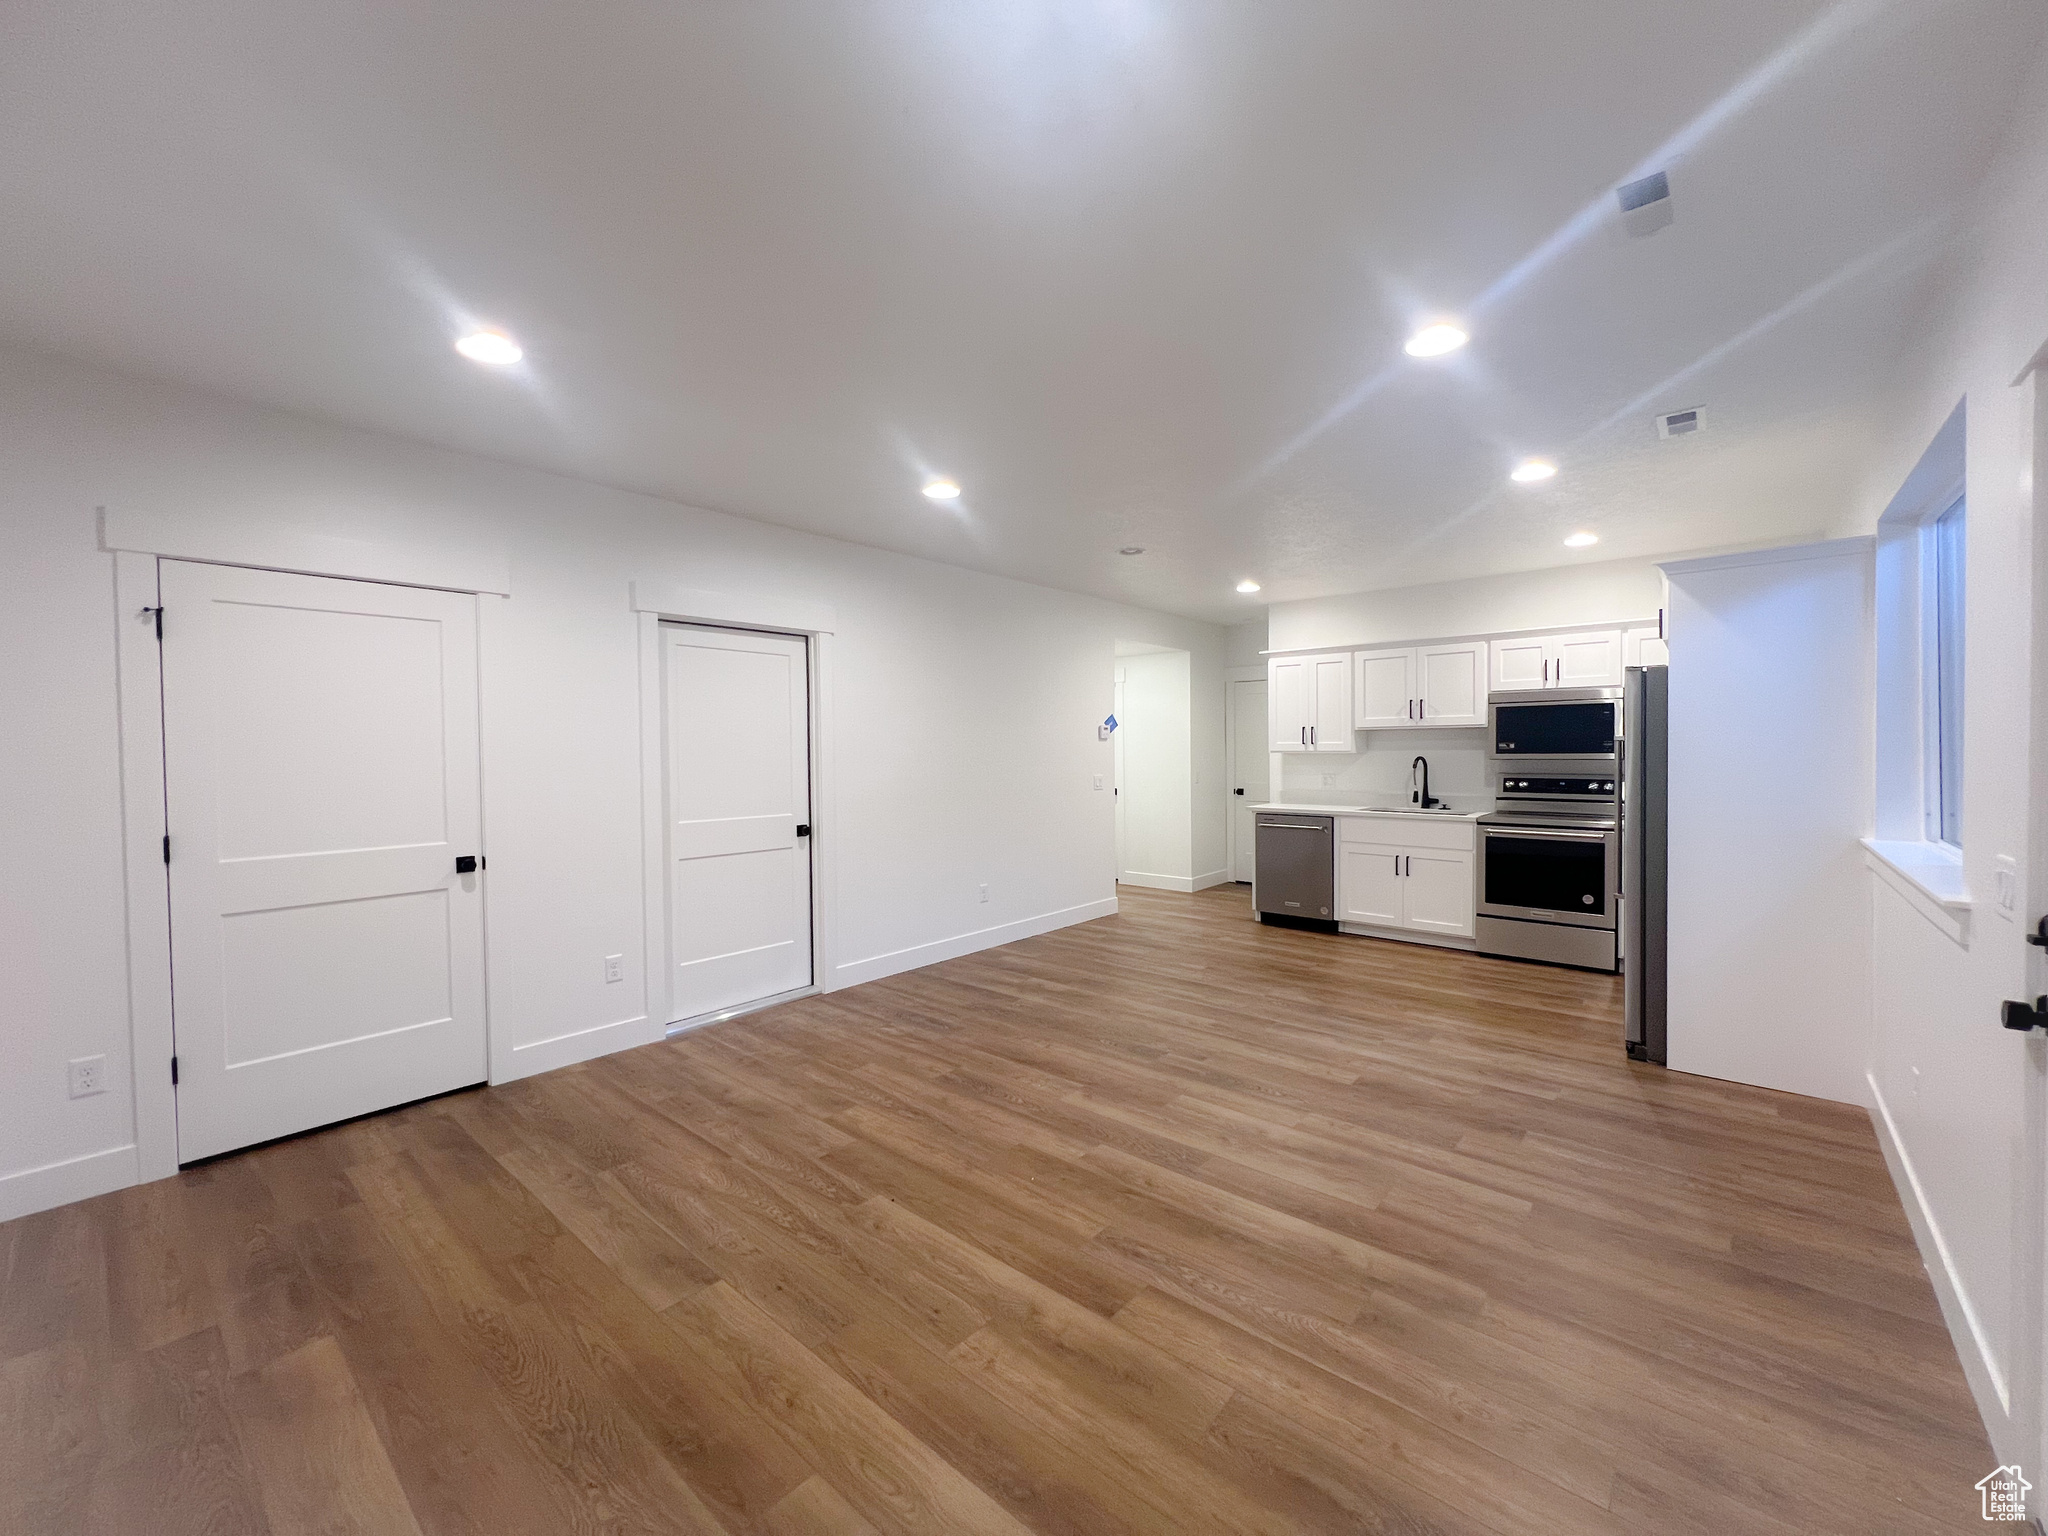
1395	872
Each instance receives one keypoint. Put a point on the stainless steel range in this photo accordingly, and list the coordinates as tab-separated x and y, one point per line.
1550	853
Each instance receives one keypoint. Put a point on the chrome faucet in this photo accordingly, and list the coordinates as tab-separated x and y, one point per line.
1418	785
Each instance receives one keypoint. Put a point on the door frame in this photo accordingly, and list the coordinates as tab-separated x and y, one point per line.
1241	675
137	542
655	603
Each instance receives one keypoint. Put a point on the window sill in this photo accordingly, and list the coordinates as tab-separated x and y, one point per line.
1930	877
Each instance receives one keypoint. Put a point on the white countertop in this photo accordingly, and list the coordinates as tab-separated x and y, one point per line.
1466	811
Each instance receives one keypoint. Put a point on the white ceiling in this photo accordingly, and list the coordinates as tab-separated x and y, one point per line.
1133	271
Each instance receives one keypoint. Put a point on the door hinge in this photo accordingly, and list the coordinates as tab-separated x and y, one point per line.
157	613
174	1071
167	847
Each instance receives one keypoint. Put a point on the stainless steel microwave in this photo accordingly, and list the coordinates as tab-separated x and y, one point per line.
1558	725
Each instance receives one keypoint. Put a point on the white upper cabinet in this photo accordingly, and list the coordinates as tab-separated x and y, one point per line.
1452	684
1592	659
1288	704
1419	685
1329	728
1385	689
1587	661
1521	663
1644	648
1308	702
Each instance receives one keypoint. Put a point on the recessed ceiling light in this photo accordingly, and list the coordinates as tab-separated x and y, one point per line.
1435	340
1132	549
493	347
942	489
1247	585
1529	471
1581	540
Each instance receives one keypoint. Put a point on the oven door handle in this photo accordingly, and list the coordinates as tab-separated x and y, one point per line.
1570	837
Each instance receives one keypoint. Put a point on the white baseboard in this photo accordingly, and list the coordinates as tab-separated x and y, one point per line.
1153	882
76	1178
577	1045
1980	1366
875	967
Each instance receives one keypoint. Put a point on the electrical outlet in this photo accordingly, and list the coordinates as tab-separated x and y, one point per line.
614	967
984	893
88	1076
2005	885
1098	781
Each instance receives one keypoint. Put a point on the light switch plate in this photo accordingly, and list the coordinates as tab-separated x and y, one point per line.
2005	886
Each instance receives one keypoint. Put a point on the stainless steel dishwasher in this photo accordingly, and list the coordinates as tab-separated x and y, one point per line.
1294	874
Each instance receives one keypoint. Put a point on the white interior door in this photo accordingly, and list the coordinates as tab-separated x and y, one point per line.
321	780
739	807
1116	775
1249	768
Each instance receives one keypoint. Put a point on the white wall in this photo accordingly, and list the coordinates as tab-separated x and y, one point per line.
1383	764
1959	1098
1770	793
1157	724
963	710
1604	591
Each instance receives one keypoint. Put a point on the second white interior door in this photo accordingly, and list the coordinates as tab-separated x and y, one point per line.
739	797
1249	766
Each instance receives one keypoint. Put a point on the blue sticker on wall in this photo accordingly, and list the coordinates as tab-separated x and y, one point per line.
1110	722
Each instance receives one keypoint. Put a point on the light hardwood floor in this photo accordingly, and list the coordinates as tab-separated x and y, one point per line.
1164	1223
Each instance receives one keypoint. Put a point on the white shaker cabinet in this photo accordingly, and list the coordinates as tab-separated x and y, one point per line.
1419	686
1452	683
1395	872
1644	648
1592	659
1383	688
1308	703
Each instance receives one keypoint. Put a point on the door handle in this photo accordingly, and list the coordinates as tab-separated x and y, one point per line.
1311	735
803	828
2039	937
2024	1017
1237	791
468	864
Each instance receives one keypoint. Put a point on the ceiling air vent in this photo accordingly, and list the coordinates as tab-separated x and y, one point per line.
1679	423
1645	204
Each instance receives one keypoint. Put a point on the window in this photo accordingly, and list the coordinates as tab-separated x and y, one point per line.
1944	563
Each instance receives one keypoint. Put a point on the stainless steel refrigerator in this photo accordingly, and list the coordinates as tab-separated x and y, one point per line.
1645	797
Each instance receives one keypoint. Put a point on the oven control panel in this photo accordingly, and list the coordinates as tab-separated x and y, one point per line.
1519	784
